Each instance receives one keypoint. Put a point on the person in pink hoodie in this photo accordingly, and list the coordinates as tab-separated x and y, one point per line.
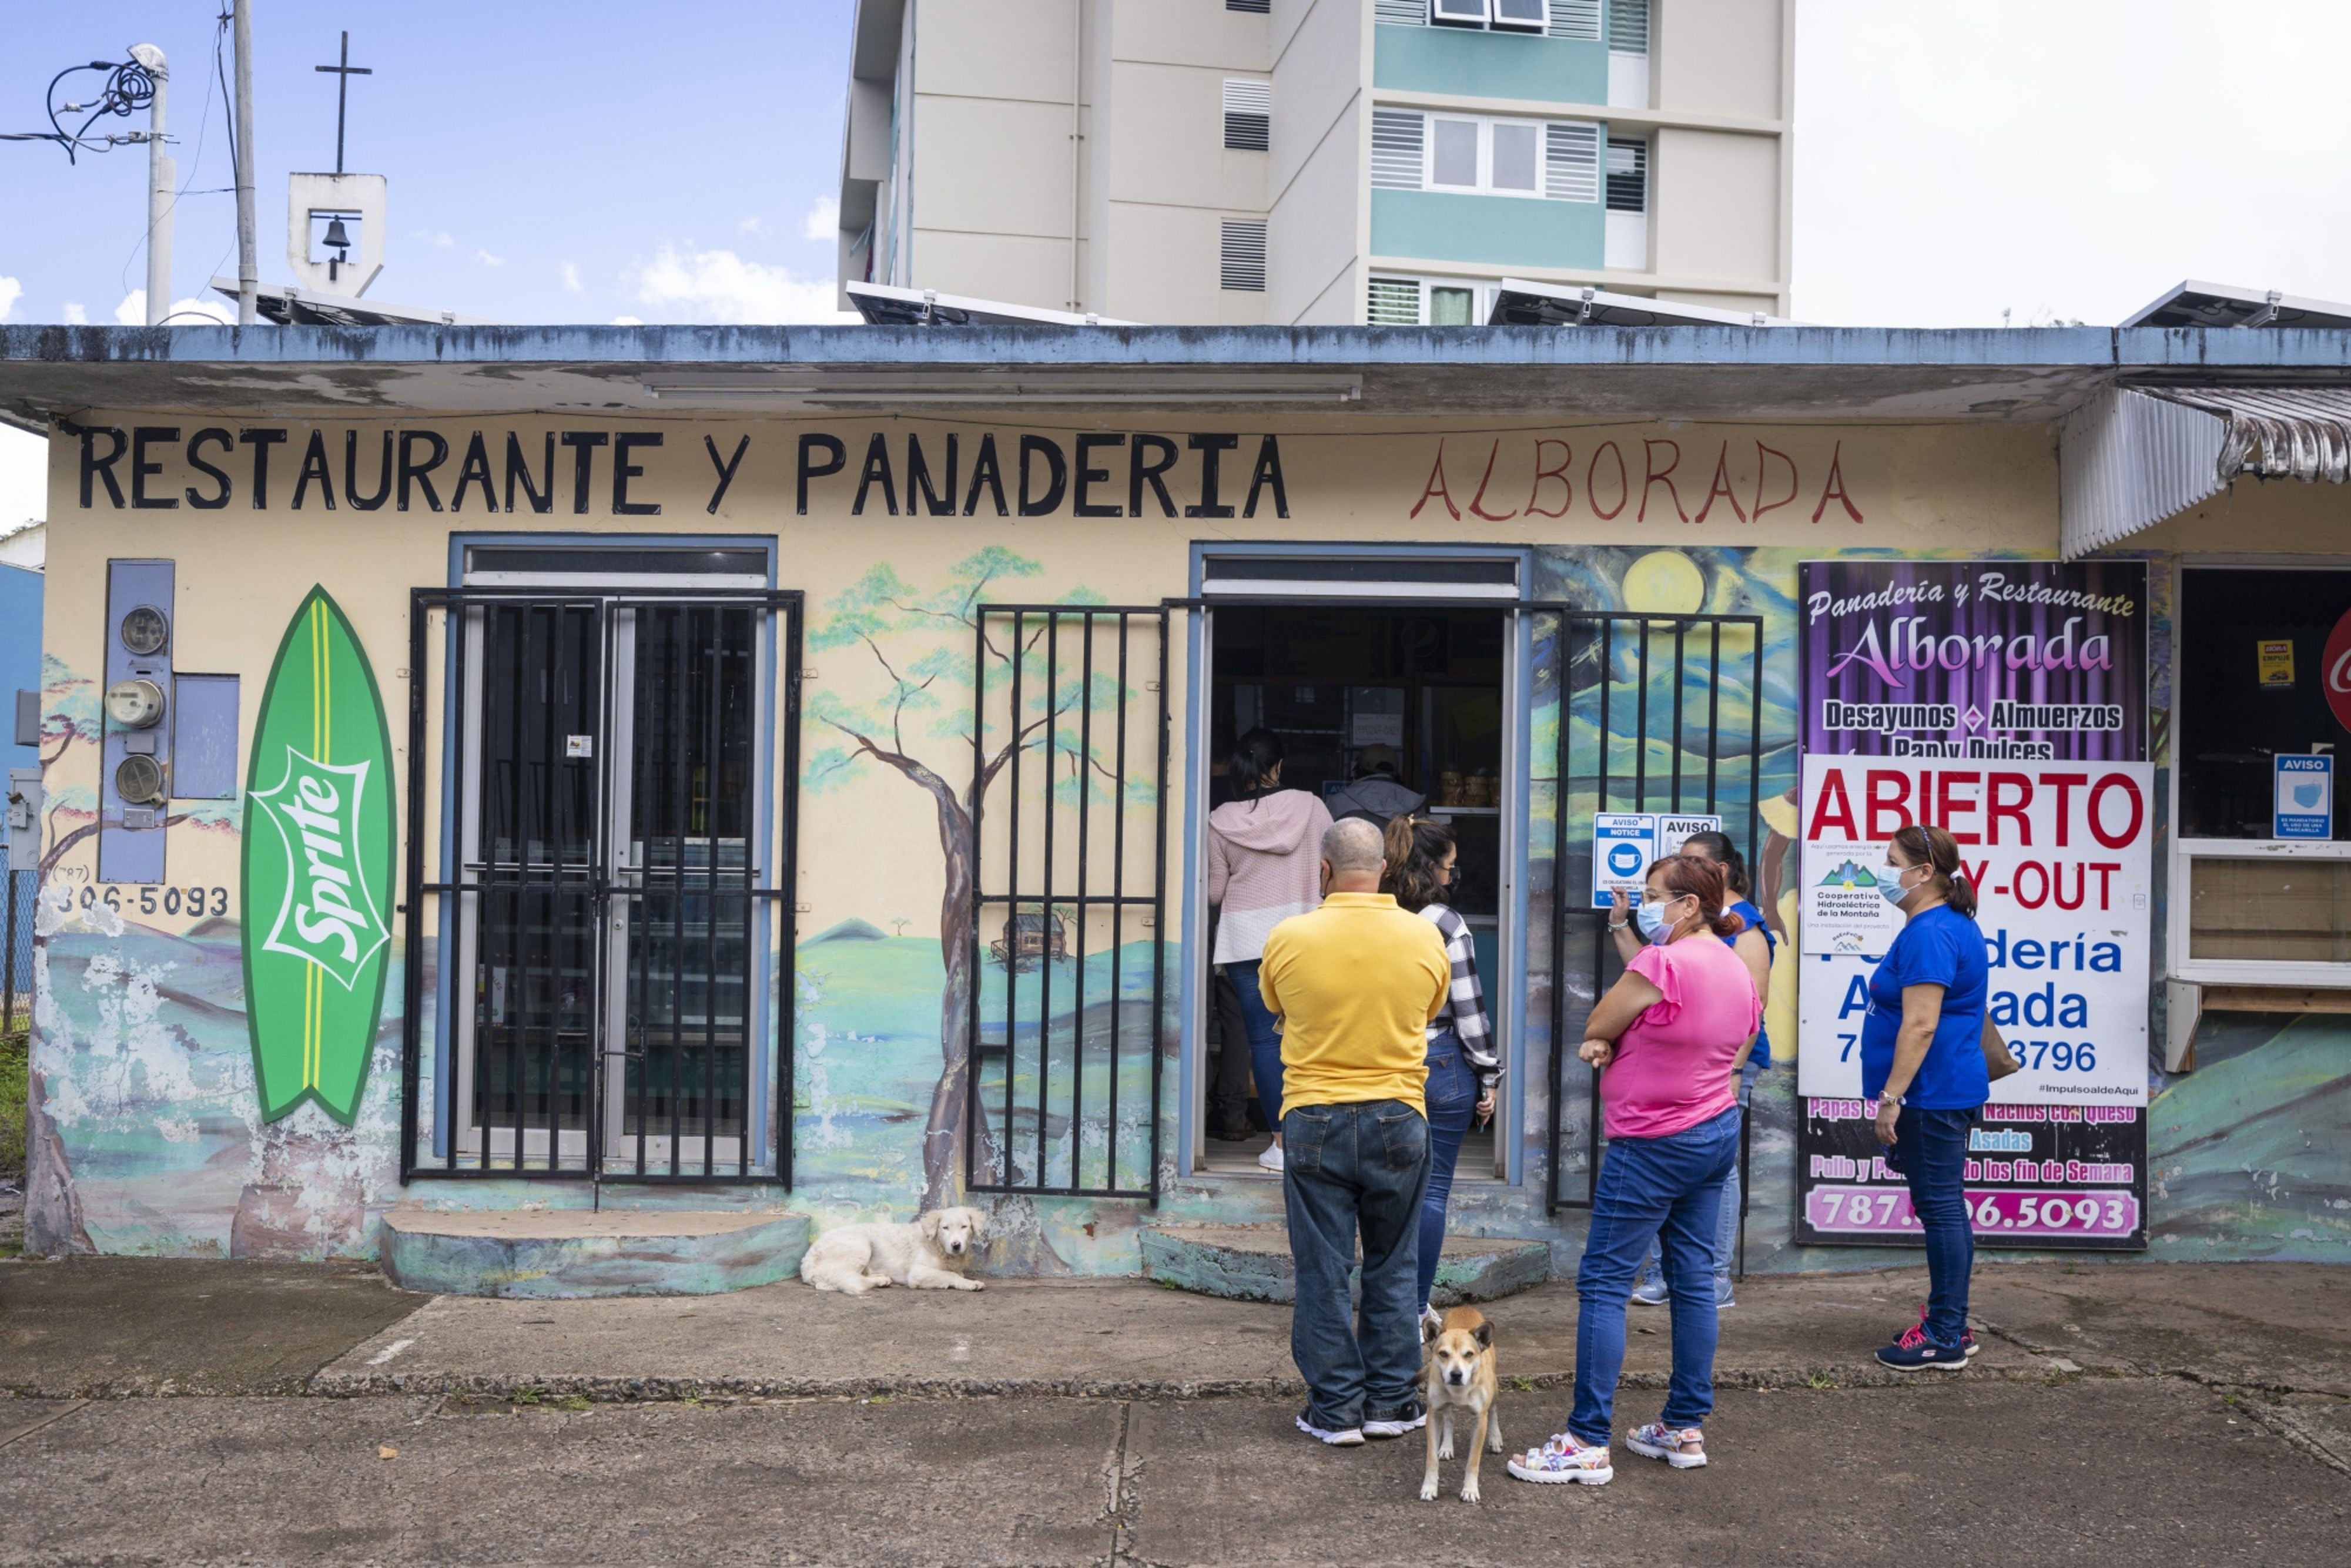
1264	866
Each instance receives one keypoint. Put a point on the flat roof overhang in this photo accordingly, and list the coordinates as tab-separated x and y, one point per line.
1345	374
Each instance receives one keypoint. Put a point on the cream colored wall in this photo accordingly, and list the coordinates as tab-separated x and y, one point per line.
870	849
1319	230
1719	57
1718	207
2256	517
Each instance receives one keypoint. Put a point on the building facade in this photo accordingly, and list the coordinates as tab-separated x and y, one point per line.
1294	162
725	771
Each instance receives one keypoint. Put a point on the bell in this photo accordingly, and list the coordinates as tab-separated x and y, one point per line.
338	236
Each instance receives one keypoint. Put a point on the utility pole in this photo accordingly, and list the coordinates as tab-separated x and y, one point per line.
248	265
159	175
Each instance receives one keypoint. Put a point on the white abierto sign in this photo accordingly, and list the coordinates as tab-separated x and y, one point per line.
2061	854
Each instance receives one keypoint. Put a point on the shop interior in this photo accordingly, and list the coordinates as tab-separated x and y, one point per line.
1349	692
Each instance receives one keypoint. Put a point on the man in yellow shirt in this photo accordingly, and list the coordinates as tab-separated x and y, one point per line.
1355	985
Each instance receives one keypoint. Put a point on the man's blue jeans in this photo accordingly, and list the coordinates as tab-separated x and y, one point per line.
1452	1099
1930	1150
1669	1189
1353	1170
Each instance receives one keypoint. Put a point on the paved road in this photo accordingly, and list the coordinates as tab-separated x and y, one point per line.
2091	1470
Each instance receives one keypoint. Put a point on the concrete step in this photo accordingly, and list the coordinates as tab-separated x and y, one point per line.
1251	1264
555	1254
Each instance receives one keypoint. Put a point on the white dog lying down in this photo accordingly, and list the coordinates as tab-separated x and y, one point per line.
929	1255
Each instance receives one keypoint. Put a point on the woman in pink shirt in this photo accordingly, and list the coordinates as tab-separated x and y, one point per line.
1666	1038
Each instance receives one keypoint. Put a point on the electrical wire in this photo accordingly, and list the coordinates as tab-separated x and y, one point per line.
129	88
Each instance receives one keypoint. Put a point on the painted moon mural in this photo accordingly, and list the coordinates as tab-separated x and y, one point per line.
317	868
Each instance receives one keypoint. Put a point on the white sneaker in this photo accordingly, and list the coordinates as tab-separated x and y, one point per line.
1271	1158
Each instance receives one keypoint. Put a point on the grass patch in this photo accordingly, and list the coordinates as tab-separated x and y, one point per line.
14	1110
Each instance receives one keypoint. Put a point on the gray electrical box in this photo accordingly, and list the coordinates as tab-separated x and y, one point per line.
23	818
29	718
203	737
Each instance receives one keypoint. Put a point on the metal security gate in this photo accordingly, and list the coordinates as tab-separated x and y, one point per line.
597	884
1654	713
1069	826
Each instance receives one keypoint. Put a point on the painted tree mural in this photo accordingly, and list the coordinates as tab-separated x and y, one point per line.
919	726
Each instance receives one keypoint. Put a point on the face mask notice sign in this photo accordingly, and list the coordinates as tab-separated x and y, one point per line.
2305	796
1624	843
2003	702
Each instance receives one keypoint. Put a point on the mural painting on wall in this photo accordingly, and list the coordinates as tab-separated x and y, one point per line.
318	869
914	718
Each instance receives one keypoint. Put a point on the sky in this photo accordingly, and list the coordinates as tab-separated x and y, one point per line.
2056	160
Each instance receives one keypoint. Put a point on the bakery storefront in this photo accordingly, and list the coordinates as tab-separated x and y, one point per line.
742	800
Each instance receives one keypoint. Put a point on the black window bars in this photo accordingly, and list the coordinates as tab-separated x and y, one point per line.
1628	740
608	997
1069	830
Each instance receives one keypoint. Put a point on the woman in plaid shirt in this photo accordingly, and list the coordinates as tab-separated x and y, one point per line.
1462	1064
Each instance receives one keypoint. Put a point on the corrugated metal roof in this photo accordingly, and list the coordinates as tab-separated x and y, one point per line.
2125	461
2278	432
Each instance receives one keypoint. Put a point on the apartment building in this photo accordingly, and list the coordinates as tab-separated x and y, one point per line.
1327	162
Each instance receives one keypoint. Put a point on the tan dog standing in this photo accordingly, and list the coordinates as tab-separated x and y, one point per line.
1459	1376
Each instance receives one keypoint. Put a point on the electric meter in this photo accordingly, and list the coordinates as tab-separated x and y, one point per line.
143	631
134	703
138	781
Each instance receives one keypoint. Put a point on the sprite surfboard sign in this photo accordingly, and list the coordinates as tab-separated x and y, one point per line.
317	872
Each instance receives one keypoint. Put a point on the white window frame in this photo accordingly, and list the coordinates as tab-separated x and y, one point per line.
1485	124
2185	851
1558	21
1482	292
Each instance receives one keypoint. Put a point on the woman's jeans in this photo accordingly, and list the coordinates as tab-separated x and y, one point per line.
1930	1150
1264	1040
1452	1098
1354	1173
1725	1237
1652	1188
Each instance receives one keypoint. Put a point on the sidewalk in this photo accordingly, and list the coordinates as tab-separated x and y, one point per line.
111	1327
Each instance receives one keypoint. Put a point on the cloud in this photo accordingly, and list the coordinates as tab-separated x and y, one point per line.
628	321
486	259
132	311
751	226
823	220
719	285
571	279
444	238
24	477
76	316
10	292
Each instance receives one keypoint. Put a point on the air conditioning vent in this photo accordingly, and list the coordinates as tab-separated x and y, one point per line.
1628	176
1395	302
1249	115
1243	264
1397	136
1575	19
1571	162
1402	12
1628	26
1260	7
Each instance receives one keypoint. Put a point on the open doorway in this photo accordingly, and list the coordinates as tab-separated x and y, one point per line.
1413	695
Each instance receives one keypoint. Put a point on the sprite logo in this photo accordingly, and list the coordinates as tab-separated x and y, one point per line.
328	914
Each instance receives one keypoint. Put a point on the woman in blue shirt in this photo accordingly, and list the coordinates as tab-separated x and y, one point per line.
1922	1060
1756	947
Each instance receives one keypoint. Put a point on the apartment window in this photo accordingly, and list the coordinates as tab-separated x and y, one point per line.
1533	158
1560	19
1249	115
1428	302
1242	263
1259	6
1628	176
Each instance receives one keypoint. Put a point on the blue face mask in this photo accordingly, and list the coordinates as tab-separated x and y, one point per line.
1651	918
1889	882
